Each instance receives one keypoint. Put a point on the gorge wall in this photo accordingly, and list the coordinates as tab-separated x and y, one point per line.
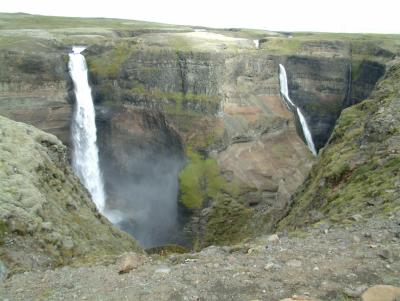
357	173
34	88
164	93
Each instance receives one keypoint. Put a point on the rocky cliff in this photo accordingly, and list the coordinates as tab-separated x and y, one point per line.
47	218
357	173
33	85
221	95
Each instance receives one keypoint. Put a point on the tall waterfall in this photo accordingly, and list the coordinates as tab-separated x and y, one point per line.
284	89
256	43
85	158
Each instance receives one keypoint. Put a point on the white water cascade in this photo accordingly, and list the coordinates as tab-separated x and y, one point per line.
85	158
284	89
256	43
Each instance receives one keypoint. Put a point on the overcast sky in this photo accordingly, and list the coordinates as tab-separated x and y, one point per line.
285	15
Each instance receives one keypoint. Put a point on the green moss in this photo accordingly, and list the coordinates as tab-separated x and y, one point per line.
109	64
229	222
298	234
337	172
138	88
167	250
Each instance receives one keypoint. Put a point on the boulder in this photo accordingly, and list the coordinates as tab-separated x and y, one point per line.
129	261
381	293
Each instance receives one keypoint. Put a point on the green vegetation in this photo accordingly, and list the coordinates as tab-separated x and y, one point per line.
167	250
229	222
200	180
22	21
282	46
109	64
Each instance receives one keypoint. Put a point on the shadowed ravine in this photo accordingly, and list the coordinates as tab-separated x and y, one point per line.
141	179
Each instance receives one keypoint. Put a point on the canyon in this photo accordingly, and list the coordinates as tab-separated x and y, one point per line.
196	144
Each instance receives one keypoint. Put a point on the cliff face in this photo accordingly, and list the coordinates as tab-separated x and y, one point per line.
358	171
221	95
164	91
47	218
33	87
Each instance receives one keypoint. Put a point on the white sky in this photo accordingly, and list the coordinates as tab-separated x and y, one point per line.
379	16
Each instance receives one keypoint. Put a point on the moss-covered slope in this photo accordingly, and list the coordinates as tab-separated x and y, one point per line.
46	216
358	172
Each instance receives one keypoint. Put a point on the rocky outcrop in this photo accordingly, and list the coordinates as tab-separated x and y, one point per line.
33	88
358	171
319	86
47	218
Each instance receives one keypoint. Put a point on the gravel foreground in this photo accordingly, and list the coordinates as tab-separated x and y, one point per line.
324	263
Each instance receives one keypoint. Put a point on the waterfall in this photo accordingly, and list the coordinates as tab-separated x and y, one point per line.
347	101
306	131
85	157
284	89
256	43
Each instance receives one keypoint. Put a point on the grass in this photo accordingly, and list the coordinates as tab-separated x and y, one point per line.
282	46
42	30
21	21
109	65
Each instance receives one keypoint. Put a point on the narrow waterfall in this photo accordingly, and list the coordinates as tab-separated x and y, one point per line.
256	43
306	131
284	89
85	158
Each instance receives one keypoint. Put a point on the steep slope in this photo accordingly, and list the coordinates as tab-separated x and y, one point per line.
47	218
358	172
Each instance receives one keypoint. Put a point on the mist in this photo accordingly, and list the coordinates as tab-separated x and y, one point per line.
145	200
140	172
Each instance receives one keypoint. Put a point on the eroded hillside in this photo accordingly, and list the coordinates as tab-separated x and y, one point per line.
47	218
